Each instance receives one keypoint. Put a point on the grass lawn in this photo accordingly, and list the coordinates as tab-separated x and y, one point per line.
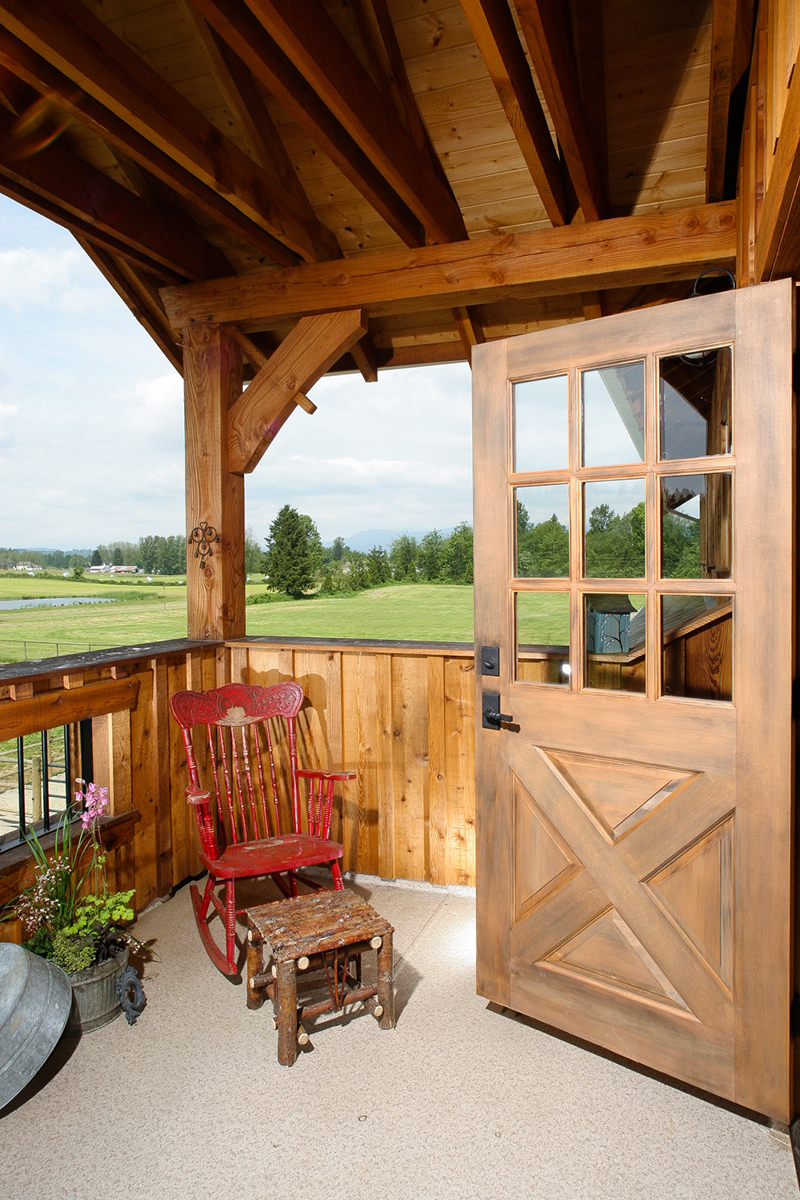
403	613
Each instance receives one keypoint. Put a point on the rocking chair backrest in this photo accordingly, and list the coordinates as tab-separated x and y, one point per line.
242	759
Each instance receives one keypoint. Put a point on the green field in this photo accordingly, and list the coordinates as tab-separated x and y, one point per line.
157	612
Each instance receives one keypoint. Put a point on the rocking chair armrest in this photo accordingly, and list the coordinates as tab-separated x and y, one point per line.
197	795
311	774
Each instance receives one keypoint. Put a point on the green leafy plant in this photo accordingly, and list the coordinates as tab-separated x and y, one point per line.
73	929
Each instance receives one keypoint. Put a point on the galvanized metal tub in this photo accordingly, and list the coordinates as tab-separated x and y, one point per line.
94	995
35	999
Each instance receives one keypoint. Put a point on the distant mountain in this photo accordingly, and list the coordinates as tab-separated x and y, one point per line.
384	537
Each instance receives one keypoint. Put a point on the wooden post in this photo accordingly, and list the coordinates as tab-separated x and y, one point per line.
214	495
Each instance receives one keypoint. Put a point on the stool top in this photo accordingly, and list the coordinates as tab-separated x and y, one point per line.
316	923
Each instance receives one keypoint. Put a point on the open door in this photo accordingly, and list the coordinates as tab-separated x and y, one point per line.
634	631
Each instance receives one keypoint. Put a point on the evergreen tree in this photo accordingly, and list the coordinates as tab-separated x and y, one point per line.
378	567
315	547
403	557
116	557
339	549
288	561
97	560
430	555
457	555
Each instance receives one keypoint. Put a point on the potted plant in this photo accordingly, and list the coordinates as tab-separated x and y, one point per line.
83	931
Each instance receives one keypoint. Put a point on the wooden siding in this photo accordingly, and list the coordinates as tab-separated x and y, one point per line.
400	715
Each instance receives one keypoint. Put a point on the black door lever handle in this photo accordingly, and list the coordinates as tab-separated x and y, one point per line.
491	717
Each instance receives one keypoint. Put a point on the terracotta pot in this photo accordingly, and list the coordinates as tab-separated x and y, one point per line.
94	995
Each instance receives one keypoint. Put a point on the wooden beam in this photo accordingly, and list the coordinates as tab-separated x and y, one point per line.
251	42
259	360
138	296
214	493
547	40
495	33
622	252
365	356
77	43
469	329
48	709
155	239
777	248
732	28
593	306
311	39
33	69
301	359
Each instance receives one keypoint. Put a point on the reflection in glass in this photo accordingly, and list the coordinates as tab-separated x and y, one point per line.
541	424
543	637
615	529
543	531
615	641
613	415
696	526
697	647
695	403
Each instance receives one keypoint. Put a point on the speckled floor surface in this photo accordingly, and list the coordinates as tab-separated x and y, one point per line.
459	1102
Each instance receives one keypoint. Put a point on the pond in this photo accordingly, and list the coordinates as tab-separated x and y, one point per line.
55	602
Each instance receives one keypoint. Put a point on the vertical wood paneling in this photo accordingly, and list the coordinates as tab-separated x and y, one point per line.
437	771
402	719
362	742
459	695
410	767
144	775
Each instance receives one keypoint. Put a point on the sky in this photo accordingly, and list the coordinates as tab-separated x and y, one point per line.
91	422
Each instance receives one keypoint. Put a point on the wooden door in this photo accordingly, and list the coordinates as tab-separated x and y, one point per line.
634	620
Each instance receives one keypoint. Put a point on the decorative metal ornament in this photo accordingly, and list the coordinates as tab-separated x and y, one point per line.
202	538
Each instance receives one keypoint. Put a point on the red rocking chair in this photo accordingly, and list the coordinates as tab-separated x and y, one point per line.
240	823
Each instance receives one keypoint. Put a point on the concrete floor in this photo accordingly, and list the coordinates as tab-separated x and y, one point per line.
459	1102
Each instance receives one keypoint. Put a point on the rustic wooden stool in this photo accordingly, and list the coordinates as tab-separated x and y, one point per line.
326	931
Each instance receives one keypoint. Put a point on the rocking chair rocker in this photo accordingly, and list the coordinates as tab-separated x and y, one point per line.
240	821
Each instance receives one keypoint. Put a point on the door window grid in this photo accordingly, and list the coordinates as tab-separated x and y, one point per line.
653	586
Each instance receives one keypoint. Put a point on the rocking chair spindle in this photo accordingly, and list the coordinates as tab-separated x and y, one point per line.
242	816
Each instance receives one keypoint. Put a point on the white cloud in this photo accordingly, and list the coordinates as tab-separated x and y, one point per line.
95	416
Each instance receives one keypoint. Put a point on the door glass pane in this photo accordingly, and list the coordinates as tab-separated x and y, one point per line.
697	647
541	424
613	415
615	641
543	531
695	403
542	620
696	526
615	529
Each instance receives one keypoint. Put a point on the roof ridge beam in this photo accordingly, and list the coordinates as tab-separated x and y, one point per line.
78	44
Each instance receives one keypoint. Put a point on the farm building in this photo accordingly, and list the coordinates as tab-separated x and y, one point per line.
278	191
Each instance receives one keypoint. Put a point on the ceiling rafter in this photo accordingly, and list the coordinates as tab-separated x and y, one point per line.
732	34
137	295
78	44
244	99
379	33
553	61
103	211
310	38
621	252
494	31
253	45
46	79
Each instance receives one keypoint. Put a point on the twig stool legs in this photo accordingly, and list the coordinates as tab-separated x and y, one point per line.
386	982
286	1011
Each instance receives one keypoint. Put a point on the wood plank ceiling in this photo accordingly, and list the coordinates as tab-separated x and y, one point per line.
185	141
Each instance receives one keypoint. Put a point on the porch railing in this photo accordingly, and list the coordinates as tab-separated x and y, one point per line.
399	714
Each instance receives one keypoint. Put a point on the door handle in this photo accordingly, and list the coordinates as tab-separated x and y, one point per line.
491	717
